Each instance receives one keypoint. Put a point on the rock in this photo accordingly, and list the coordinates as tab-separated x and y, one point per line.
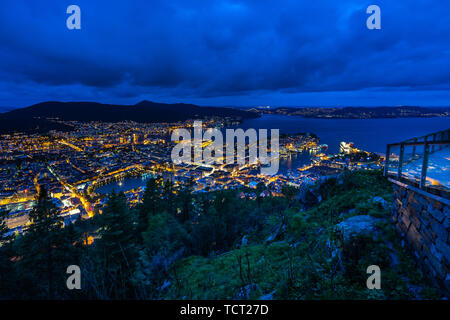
415	290
271	237
380	200
268	296
245	292
351	211
357	226
244	241
395	261
165	285
274	235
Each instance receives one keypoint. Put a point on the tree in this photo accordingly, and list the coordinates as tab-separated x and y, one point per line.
150	204
116	247
41	246
289	192
260	187
4	237
185	198
168	196
6	266
71	251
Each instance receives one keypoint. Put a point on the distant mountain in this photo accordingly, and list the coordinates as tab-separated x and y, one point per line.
358	112
34	118
5	109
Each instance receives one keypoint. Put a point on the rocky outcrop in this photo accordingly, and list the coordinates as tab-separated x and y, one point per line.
363	225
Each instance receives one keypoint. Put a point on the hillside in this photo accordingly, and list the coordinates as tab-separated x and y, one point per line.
229	244
360	112
310	255
34	118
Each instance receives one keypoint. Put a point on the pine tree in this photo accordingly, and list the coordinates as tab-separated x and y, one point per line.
6	267
150	204
186	201
168	196
289	192
39	248
116	246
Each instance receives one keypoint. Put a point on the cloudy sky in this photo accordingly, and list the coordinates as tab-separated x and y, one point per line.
221	52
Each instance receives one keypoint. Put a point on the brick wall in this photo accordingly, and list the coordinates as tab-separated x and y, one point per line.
423	221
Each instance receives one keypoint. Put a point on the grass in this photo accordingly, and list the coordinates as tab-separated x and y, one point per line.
309	260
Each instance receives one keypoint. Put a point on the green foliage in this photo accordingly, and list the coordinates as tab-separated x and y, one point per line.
116	247
311	261
3	227
289	192
6	266
180	245
151	201
42	253
164	232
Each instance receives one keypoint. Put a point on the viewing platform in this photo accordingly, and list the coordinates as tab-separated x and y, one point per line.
419	169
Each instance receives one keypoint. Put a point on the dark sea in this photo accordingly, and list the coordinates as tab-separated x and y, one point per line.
367	134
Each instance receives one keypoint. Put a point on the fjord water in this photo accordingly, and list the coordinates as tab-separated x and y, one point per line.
367	134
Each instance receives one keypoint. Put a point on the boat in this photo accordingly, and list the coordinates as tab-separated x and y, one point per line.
320	148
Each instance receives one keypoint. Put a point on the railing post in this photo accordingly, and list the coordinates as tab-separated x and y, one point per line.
400	160
423	176
434	140
386	161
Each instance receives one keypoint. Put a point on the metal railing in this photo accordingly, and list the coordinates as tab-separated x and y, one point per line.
418	155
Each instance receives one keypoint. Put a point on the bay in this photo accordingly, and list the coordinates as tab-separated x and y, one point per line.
367	134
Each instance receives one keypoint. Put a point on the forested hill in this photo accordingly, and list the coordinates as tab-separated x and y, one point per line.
360	112
35	116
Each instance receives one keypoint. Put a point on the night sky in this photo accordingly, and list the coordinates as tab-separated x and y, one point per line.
210	52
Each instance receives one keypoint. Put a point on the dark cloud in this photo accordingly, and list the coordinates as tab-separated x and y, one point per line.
210	50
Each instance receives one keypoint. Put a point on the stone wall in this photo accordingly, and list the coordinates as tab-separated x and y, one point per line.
423	221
